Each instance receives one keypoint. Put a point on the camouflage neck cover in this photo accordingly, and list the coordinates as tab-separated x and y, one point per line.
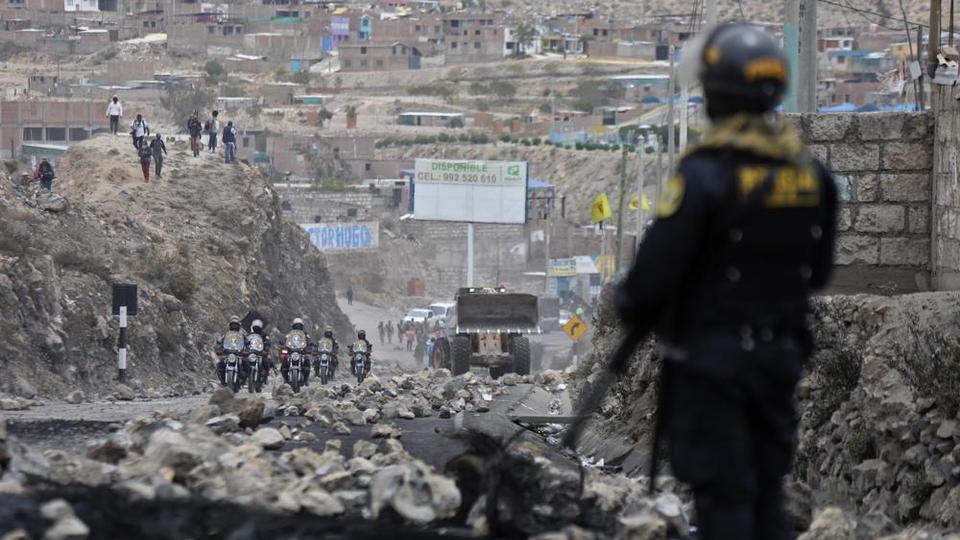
762	135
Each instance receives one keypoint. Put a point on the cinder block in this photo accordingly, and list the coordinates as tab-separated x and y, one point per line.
905	187
827	127
855	157
907	156
857	249
881	126
918	220
905	252
880	218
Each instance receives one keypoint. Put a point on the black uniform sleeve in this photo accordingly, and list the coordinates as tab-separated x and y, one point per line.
823	261
666	253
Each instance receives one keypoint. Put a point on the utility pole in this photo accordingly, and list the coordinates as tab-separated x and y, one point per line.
640	172
623	194
671	104
684	100
711	13
791	48
807	76
933	47
932	68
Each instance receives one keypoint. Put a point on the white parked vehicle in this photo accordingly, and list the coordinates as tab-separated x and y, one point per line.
445	311
565	317
418	316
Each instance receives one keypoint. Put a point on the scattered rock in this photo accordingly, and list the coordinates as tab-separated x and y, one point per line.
249	409
319	502
384	431
832	523
364	449
227	423
76	397
340	428
947	429
203	413
124	393
116	447
354	417
52	202
14	404
415	492
268	438
643	527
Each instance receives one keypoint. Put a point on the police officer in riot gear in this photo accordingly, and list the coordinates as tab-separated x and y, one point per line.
744	234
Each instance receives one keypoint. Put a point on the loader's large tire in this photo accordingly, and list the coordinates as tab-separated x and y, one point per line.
461	355
520	347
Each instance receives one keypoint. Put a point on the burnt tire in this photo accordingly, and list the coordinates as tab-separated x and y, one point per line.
496	372
460	361
521	355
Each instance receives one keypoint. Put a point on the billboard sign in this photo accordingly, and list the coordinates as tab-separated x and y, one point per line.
471	190
340	237
562	268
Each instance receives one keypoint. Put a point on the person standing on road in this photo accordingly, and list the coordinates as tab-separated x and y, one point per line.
229	142
383	332
389	333
144	153
213	128
745	231
349	295
195	130
114	112
139	130
159	149
409	336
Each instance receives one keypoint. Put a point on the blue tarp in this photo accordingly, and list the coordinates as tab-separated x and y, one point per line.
869	107
651	99
843	107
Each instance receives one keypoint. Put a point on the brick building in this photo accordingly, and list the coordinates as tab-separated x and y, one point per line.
371	56
48	121
473	37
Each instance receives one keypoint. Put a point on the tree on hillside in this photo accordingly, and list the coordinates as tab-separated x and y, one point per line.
525	34
215	71
181	101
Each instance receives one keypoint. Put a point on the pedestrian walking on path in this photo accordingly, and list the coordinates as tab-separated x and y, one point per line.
229	142
138	131
213	128
195	130
144	153
159	150
114	112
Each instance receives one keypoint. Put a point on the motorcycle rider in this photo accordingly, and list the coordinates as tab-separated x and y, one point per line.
362	336
297	325
328	334
221	362
266	364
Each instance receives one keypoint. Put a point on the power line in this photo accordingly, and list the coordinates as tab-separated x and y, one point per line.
873	13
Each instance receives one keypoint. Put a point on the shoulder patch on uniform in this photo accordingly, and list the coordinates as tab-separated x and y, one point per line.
672	197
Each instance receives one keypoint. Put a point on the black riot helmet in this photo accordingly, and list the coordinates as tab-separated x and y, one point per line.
234	323
362	334
328	333
743	70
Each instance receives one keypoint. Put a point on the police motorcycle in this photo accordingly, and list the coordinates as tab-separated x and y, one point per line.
256	354
359	360
323	365
295	355
232	353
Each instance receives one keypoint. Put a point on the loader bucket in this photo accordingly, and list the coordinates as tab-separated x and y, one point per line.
511	313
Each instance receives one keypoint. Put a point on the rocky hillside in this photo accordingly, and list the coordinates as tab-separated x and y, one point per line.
879	427
203	243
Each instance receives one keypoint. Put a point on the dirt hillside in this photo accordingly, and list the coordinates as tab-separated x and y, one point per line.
203	243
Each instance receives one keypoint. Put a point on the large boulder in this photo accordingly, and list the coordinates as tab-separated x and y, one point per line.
52	202
832	524
414	492
268	438
249	409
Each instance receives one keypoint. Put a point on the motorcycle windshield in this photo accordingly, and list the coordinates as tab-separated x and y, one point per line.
296	340
360	347
325	345
233	342
255	342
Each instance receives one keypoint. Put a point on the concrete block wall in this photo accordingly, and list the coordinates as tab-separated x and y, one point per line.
307	204
882	163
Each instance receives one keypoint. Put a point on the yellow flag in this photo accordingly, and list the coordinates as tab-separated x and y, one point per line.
600	211
633	203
